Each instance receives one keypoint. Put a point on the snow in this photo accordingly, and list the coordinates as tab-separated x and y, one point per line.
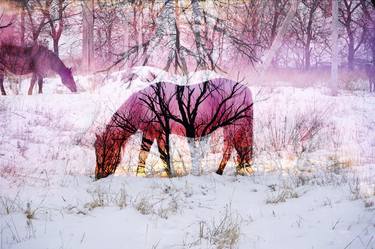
319	196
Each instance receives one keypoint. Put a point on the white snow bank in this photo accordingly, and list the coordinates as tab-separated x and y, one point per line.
318	193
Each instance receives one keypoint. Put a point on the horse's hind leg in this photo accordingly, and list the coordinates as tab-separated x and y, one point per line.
243	145
143	154
32	83
40	84
1	83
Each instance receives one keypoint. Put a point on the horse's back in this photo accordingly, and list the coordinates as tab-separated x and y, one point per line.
216	90
16	59
211	99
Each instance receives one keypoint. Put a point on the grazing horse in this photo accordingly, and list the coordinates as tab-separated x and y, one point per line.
370	71
192	111
37	60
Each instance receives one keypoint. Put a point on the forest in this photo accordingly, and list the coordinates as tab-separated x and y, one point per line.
195	35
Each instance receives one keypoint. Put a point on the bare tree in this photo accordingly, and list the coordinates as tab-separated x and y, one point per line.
369	12
188	34
55	16
190	102
107	16
351	17
35	10
305	28
276	44
270	16
279	9
159	104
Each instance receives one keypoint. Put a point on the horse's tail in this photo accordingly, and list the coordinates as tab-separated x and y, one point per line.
249	120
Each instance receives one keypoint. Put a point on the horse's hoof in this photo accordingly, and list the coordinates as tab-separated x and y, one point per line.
219	172
245	171
141	173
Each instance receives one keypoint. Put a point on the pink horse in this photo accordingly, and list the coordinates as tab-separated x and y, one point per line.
191	111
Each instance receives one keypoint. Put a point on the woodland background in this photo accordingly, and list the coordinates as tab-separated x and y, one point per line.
183	36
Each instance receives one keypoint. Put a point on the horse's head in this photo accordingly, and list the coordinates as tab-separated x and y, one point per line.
107	151
68	80
102	168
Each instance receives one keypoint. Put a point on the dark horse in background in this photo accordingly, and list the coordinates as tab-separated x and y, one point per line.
192	111
37	60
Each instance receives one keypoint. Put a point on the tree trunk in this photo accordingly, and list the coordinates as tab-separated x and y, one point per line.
334	58
273	32
88	35
56	46
307	55
309	37
195	158
277	10
351	52
197	34
139	20
168	159
198	148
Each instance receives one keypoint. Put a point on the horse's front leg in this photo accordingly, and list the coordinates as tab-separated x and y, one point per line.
370	83
1	83
147	142
227	151
164	150
32	83
40	84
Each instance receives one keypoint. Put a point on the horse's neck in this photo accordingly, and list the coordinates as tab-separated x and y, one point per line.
55	63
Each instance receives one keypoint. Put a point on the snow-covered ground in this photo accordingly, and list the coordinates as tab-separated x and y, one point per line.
313	186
